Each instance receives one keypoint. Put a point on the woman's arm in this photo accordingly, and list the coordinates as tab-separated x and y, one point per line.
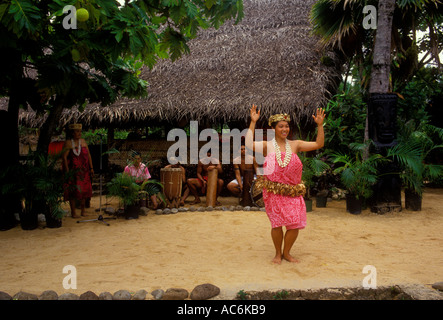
67	147
302	146
249	139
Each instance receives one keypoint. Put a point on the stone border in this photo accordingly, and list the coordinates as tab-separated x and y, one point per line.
207	209
144	211
208	291
394	292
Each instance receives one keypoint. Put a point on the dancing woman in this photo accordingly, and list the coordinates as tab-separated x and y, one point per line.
281	182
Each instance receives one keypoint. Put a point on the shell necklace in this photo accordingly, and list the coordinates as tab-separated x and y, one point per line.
288	153
79	150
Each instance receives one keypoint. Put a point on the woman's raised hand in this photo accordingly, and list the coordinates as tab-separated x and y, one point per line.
255	114
319	117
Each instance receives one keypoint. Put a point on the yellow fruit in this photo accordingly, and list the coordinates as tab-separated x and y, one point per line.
82	15
75	55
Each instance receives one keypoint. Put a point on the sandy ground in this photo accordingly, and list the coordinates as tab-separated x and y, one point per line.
232	250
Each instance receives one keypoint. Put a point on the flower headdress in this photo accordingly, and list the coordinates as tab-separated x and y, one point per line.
75	126
279	117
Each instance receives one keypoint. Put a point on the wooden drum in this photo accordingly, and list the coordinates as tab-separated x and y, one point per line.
248	177
257	195
211	189
171	178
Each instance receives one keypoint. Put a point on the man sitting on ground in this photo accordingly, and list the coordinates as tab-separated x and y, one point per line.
200	183
241	164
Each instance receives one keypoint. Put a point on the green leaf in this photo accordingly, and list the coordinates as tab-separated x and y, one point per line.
119	35
210	3
191	9
26	15
3	8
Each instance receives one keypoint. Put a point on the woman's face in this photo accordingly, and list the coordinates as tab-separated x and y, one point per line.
77	134
137	161
282	129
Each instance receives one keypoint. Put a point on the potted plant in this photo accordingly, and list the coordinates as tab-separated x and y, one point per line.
312	167
150	188
358	175
49	185
38	184
411	154
124	187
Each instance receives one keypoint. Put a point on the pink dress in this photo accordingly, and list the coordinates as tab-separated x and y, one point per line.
284	210
78	186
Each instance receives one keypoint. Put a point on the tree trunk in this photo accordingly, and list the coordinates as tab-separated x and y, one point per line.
49	127
382	48
10	157
10	131
381	66
382	112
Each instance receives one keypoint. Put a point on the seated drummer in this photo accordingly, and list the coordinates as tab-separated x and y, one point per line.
184	183
140	172
200	183
236	185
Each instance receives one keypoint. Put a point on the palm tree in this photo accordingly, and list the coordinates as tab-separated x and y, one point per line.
340	24
382	48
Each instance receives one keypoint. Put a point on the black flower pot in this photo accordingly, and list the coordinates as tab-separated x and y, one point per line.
412	200
7	221
132	211
28	220
353	205
52	222
308	203
320	202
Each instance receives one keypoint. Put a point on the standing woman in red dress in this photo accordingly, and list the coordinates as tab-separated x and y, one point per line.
77	163
282	186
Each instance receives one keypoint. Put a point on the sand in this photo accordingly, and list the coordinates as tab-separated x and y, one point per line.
232	250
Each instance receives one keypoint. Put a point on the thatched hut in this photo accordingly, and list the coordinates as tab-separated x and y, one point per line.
270	59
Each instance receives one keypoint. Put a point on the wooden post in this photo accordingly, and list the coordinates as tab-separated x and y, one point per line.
211	190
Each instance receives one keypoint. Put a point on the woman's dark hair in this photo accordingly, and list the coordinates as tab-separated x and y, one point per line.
274	124
134	153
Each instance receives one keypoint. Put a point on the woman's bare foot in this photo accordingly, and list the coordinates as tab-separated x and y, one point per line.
290	258
277	259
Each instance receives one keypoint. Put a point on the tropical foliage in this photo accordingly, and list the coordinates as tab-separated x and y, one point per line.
340	23
413	154
357	174
312	167
37	181
124	187
49	65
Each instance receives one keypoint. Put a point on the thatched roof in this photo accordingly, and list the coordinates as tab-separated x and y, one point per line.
270	59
